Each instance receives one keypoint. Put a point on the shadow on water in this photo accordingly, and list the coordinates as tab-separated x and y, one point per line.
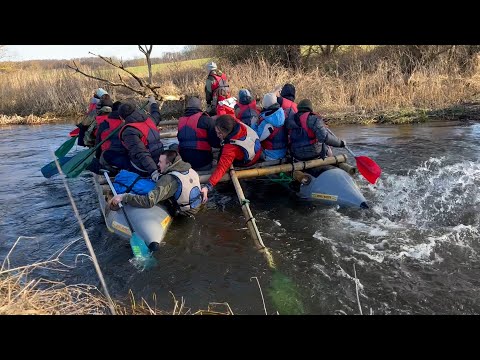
415	249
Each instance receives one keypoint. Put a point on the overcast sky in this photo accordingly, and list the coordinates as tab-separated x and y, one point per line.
37	52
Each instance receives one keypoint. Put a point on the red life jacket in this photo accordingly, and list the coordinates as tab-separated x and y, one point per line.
306	135
247	112
220	87
190	136
91	107
112	125
99	119
289	108
287	104
150	134
225	110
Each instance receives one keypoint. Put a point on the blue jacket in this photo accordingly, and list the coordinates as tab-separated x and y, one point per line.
269	120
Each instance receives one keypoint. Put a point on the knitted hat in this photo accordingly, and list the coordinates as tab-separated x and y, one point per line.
288	92
268	100
194	102
305	105
126	109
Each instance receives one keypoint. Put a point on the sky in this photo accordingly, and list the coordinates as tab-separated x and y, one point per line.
39	52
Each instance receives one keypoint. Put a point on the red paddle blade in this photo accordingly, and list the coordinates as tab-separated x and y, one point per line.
368	168
75	132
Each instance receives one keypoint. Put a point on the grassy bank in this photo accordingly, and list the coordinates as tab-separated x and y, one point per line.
22	295
379	95
23	292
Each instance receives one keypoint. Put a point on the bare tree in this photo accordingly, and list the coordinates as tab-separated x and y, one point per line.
328	50
144	88
147	51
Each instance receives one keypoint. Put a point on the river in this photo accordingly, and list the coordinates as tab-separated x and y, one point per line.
415	249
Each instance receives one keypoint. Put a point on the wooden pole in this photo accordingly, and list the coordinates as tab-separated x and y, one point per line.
276	169
250	220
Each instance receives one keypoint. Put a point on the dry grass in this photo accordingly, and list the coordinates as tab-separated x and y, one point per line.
27	120
22	293
358	89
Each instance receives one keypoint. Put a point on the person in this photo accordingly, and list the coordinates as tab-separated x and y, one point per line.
102	115
112	153
179	187
141	138
240	146
216	88
246	108
309	137
286	99
90	114
271	129
226	107
196	136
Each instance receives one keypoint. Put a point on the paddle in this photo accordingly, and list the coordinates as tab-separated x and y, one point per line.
74	132
139	248
65	147
51	168
282	290
76	164
80	161
366	166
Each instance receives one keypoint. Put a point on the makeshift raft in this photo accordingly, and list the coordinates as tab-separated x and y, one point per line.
333	186
150	224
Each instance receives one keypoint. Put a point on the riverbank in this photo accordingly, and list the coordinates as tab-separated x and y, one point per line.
469	110
362	93
21	293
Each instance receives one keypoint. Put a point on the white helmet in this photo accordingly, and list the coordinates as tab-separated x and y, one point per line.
211	66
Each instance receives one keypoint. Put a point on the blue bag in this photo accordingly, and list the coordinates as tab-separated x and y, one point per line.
130	182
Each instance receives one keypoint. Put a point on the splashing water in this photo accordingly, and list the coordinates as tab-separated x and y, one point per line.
142	263
413	214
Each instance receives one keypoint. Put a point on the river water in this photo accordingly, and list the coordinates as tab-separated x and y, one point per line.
415	250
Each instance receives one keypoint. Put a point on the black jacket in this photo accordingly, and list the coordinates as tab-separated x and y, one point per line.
324	137
140	156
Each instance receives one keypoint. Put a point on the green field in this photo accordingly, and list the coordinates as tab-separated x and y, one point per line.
143	71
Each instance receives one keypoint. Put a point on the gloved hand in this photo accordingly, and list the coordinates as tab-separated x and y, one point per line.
155	175
151	100
343	143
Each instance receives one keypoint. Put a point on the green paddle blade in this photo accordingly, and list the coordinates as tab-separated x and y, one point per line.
78	163
138	246
143	258
65	147
51	168
285	295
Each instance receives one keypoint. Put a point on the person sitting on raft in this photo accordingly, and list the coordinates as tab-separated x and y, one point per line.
240	146
178	186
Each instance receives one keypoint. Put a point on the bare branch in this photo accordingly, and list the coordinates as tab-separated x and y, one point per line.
142	49
140	81
77	69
